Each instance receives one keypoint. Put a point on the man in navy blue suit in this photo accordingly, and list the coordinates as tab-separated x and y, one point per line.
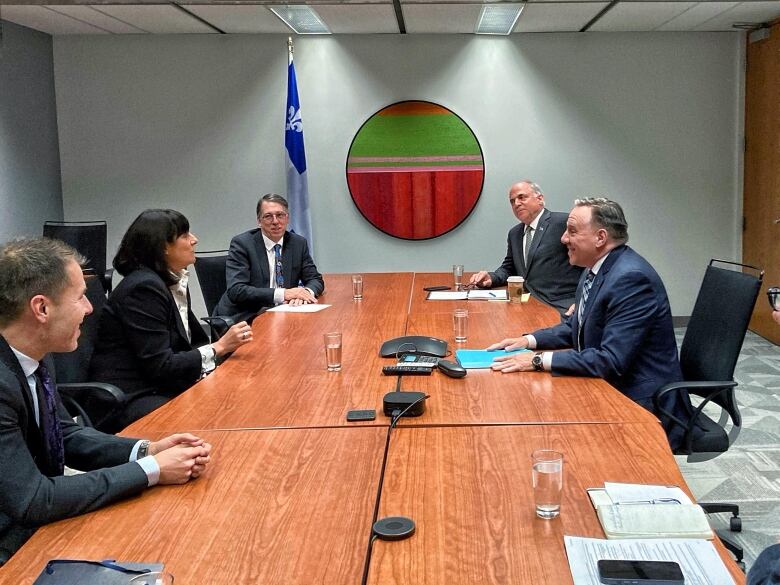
621	329
268	266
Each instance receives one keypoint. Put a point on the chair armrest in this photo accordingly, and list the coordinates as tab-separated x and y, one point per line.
107	279
718	387
218	326
104	392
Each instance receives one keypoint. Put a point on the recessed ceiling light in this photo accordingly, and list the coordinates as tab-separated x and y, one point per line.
301	19
498	19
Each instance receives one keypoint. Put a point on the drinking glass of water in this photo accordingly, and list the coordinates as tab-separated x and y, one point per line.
547	476
333	351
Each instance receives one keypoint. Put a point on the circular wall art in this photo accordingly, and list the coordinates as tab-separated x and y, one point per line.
415	170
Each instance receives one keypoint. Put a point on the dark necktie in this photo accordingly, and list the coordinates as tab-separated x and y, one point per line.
278	257
585	293
50	422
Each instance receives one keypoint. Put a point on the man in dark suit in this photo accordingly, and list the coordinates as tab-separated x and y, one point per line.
268	266
534	251
621	329
42	305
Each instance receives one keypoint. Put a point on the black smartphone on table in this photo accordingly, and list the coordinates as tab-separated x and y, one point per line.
619	572
358	415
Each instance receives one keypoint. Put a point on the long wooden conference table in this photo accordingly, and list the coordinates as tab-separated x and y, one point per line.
290	495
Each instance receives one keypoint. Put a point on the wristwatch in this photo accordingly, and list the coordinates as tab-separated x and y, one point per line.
536	362
143	449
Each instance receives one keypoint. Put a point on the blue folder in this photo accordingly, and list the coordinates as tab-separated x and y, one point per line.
481	358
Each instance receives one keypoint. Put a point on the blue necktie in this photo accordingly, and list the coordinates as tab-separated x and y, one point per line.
585	293
278	257
50	422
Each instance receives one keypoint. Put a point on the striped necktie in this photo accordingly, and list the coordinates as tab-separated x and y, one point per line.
585	293
50	422
278	271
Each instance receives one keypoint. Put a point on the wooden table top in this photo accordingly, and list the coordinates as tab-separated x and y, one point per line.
468	489
275	506
280	380
289	496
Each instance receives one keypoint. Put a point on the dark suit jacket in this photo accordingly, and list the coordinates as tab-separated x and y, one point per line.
248	276
766	569
626	335
31	495
142	346
548	276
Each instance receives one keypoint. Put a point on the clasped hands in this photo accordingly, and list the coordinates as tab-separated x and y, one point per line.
298	296
519	362
181	457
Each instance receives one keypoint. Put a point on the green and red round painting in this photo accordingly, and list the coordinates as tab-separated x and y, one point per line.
415	170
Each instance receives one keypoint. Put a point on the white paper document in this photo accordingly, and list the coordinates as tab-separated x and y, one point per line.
471	295
310	308
639	493
698	559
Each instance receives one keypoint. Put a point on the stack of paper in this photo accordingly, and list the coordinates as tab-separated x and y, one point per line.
698	559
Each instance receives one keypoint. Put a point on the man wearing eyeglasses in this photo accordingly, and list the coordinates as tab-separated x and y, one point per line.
534	251
268	266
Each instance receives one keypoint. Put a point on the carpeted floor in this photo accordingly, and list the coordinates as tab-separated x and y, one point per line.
749	473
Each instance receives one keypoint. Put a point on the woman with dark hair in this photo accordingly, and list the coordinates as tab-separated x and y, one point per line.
149	343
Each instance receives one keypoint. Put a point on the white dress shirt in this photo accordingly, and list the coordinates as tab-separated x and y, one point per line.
208	357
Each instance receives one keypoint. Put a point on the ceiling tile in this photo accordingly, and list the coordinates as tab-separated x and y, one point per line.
558	17
743	13
156	18
93	15
354	19
696	15
441	18
234	18
640	16
45	20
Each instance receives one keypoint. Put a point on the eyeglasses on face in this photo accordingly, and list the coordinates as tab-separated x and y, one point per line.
773	294
269	217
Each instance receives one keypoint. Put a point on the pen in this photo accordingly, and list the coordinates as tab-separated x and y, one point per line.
492	295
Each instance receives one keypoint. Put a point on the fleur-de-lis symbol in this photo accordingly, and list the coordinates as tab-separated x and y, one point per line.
294	120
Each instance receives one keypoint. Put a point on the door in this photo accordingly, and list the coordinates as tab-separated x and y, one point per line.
761	236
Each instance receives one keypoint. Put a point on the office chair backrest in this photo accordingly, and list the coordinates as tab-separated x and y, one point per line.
210	267
88	237
717	327
74	366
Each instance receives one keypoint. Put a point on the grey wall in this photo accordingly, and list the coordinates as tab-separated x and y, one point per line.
196	123
30	190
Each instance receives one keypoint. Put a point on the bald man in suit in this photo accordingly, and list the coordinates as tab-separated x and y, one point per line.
534	251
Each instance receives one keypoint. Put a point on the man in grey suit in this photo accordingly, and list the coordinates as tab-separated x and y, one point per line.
42	305
268	266
534	251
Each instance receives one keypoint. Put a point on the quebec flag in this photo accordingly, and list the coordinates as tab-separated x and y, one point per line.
297	185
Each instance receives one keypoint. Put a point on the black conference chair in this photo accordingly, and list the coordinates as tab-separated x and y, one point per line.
708	356
89	238
95	403
210	268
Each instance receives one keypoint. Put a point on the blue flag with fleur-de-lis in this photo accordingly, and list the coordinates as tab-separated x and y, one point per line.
297	184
